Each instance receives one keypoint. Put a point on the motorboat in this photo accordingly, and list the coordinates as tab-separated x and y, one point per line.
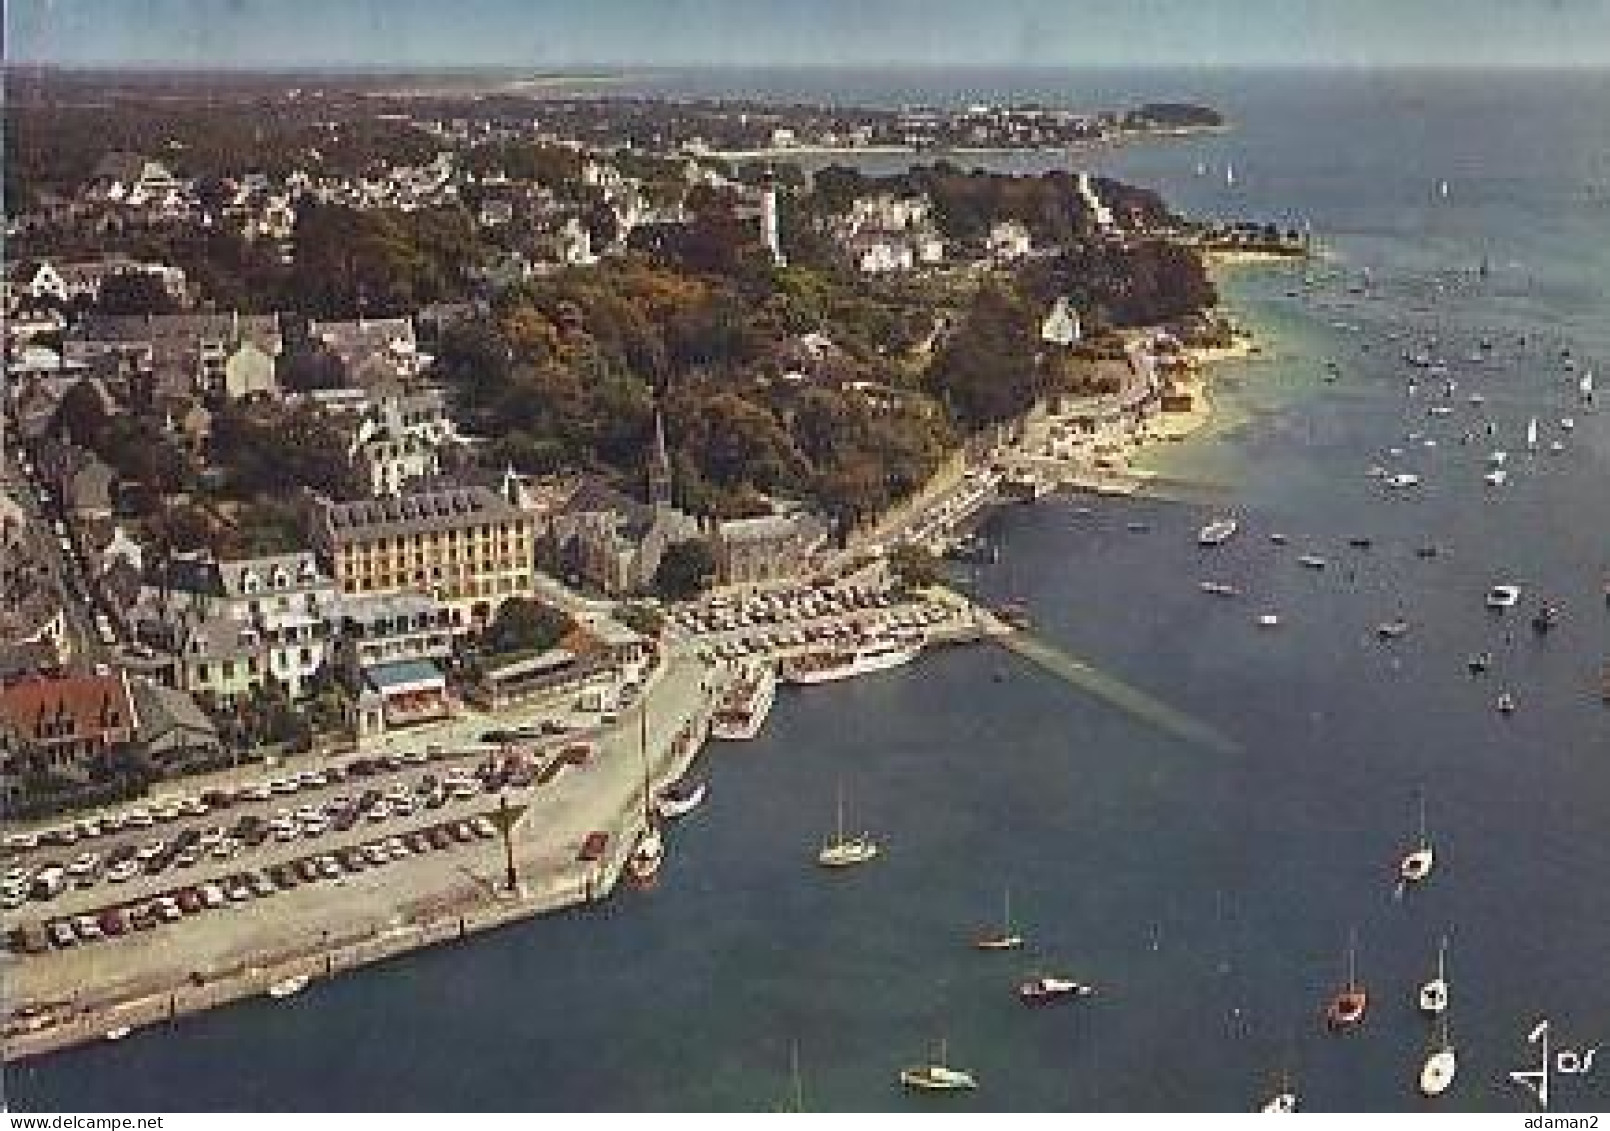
938	1076
1496	478
1403	480
1429	550
679	801
1392	629
1277	539
1268	620
1434	994
1479	662
289	987
1312	561
117	1033
1503	596
1217	532
1349	1004
1043	990
1498	459
1220	589
1360	543
1567	423
1507	704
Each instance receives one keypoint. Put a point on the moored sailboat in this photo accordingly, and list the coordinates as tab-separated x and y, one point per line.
1436	1075
938	1076
1417	863
842	851
1007	938
1348	1005
1434	994
643	865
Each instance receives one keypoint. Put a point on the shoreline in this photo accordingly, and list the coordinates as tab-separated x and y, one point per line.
783	152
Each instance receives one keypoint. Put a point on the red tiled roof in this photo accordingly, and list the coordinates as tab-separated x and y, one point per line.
97	704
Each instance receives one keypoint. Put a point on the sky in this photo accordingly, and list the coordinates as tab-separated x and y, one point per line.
580	34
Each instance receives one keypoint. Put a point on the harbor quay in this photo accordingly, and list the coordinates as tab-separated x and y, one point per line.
64	997
579	819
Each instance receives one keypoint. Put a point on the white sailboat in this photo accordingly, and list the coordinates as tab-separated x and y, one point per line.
643	865
1436	1075
1434	994
842	851
1585	387
1442	189
1284	1101
938	1076
1531	435
1417	863
1229	175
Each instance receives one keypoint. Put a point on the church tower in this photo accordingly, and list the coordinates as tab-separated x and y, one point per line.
659	467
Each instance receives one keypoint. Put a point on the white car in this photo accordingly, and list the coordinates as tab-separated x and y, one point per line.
126	870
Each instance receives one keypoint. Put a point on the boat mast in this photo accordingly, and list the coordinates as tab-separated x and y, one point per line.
1352	961
1006	921
1425	841
793	1071
642	747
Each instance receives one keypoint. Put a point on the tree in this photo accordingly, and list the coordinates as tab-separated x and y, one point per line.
685	569
135	292
914	567
524	625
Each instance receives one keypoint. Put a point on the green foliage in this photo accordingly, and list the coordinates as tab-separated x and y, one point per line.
641	618
987	371
524	625
135	293
914	567
276	449
685	569
377	262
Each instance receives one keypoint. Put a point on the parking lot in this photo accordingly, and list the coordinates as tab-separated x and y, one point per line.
772	624
155	862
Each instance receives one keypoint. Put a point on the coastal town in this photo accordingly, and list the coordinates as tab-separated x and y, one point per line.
388	526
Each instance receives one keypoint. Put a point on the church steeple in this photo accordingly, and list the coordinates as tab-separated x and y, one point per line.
659	466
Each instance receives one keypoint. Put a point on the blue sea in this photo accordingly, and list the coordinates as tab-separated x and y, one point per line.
1209	891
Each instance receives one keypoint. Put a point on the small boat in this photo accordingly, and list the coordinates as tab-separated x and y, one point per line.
1403	480
1277	539
643	864
117	1033
1220	589
1429	550
1217	532
1416	864
1496	478
1547	616
1556	447
938	1076
1040	991
1312	561
1531	435
1503	596
1007	938
843	851
1434	994
1268	620
1479	662
1506	704
1281	1103
680	800
1436	1075
1360	543
1392	629
288	987
1497	459
1349	1004
1567	423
